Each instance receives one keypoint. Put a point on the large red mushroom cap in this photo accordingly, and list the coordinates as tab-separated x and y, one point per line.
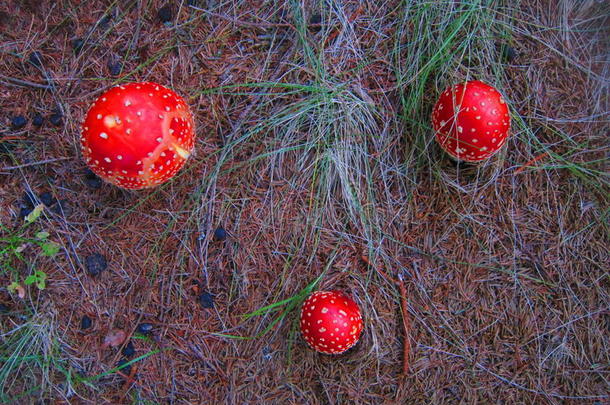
330	322
137	135
471	121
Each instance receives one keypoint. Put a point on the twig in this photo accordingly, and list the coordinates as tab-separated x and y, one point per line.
42	162
25	83
130	378
528	164
136	36
241	22
406	323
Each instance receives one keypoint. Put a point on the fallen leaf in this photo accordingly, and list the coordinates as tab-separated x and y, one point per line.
114	338
42	235
33	216
49	248
16	287
21	248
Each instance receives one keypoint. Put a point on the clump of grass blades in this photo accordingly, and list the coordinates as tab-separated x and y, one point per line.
36	362
437	44
32	359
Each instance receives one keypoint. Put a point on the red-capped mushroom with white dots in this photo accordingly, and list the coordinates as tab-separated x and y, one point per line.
330	322
138	135
471	121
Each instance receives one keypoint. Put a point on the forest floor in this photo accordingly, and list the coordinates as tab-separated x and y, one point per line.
315	153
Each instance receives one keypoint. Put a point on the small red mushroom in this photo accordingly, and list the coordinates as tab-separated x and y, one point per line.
137	135
471	121
330	322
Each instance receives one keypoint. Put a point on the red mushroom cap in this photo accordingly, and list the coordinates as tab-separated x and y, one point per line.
471	121
330	322
137	135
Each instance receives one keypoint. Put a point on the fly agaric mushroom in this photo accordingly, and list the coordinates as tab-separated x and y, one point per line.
137	135
471	121
330	322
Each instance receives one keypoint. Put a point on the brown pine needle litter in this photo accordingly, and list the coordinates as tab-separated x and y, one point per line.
315	153
406	323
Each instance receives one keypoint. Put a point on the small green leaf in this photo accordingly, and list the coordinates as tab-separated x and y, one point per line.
31	279
38	277
42	235
14	286
49	248
33	216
